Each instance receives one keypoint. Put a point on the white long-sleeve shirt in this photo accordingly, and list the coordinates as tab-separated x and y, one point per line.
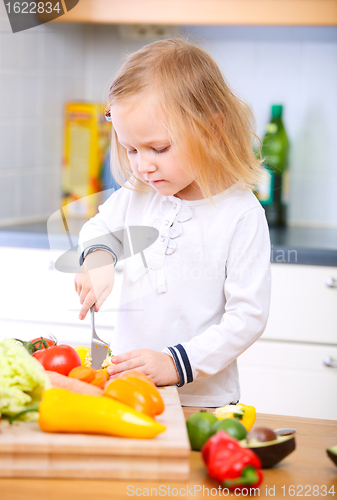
200	292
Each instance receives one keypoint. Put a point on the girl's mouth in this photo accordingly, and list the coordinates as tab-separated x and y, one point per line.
156	182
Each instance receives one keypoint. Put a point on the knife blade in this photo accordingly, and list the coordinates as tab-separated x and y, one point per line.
99	348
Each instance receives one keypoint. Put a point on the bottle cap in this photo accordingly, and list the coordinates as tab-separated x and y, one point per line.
276	110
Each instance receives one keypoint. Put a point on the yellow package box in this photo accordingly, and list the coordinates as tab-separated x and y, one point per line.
86	140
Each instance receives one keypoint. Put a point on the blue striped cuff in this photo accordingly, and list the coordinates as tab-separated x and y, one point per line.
88	250
182	363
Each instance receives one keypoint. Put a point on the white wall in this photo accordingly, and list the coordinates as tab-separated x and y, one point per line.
296	67
44	67
40	69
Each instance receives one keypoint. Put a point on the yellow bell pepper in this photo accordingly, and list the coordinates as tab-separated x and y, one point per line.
64	411
85	357
84	354
249	415
246	414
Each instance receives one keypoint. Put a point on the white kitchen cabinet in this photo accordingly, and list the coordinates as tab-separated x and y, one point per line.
286	372
289	379
303	307
36	297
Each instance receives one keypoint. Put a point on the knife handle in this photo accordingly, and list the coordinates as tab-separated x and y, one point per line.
92	318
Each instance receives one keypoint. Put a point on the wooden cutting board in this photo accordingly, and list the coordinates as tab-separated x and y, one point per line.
26	451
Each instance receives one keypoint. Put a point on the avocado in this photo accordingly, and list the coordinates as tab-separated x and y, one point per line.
270	452
332	453
260	435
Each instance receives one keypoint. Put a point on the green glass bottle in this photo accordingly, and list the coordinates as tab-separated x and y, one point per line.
273	188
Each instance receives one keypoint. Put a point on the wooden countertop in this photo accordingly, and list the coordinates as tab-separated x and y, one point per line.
307	467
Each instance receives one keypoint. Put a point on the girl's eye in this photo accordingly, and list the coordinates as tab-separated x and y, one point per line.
133	151
163	150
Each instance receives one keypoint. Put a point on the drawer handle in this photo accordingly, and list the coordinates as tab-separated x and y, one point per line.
331	282
328	361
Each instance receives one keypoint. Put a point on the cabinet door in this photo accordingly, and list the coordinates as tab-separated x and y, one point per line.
289	379
33	290
303	307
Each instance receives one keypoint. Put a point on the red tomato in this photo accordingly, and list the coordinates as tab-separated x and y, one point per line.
39	354
59	358
39	345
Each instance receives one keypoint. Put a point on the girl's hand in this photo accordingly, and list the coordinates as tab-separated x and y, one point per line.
158	366
95	282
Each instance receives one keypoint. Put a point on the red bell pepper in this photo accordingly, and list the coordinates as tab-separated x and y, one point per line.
229	463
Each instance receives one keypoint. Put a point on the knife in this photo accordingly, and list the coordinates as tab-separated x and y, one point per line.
99	349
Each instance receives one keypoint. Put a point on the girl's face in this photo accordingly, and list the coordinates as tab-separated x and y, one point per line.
141	128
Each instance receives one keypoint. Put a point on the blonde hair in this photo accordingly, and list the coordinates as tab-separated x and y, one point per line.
211	127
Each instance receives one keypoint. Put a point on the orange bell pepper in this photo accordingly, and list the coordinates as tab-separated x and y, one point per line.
146	387
130	394
137	374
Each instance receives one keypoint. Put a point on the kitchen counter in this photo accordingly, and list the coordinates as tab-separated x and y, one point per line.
302	245
290	245
297	475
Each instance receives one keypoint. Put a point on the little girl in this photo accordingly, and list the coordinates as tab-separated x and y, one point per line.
198	296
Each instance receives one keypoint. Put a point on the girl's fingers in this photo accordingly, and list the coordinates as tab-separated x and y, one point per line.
78	284
125	362
102	299
83	294
89	300
125	356
123	367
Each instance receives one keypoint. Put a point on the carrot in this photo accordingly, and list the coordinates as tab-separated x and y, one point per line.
100	379
84	373
72	384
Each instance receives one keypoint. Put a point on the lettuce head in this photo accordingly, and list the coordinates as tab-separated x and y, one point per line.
22	380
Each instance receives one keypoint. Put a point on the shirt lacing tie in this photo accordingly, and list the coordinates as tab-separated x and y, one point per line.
173	212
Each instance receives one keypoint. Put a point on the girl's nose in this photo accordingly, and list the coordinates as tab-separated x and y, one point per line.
145	165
